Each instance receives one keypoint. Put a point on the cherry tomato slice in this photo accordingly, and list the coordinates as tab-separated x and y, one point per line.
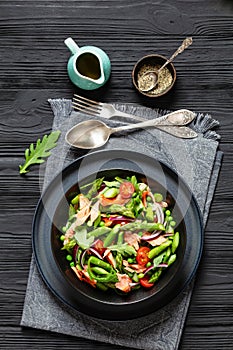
142	256
145	282
126	189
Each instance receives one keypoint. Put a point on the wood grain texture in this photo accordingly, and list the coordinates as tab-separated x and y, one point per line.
33	68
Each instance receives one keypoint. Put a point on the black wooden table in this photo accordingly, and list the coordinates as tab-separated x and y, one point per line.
33	68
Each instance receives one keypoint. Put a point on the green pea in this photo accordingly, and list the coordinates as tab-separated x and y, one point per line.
62	238
140	275
169	218
69	257
148	198
101	224
140	233
158	197
148	264
130	261
72	264
167	212
111	192
173	223
89	223
64	228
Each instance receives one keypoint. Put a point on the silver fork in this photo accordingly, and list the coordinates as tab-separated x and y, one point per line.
107	111
104	110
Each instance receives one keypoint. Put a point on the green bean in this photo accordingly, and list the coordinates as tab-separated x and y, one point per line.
157	250
172	259
111	236
175	242
99	231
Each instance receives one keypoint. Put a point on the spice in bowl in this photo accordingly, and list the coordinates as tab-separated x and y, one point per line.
144	80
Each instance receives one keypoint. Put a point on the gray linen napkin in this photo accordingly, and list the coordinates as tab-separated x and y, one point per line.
198	161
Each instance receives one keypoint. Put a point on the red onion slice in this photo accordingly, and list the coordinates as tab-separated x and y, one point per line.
83	257
95	252
134	284
149	238
75	251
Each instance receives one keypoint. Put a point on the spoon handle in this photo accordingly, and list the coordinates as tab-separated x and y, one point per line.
185	44
183	132
177	118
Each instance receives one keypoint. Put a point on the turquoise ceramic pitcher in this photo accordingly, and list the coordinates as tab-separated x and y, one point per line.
89	67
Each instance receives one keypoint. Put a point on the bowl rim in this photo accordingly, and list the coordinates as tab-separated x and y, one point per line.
95	306
148	57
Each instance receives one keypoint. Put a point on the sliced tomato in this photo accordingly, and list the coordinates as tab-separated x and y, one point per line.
145	282
126	189
142	256
144	195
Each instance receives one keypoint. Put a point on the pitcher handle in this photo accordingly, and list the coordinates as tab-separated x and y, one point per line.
72	46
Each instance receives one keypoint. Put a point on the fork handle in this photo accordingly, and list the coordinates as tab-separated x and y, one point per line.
127	115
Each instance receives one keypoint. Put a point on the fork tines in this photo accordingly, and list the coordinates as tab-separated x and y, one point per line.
85	105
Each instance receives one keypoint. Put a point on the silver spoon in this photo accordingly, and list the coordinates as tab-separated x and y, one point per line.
94	133
149	80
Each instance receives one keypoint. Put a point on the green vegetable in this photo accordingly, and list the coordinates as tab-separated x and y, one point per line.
75	200
99	270
172	259
111	236
109	277
35	155
81	237
69	257
95	185
158	197
99	231
70	245
72	211
119	261
112	183
117	208
155	276
120	238
101	286
149	213
157	250
167	254
158	259
123	249
175	242
111	192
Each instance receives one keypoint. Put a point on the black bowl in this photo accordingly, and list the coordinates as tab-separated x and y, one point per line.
52	212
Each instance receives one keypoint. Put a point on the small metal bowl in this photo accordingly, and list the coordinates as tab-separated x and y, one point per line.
153	60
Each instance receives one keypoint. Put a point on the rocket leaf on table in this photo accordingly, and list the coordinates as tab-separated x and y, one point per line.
35	154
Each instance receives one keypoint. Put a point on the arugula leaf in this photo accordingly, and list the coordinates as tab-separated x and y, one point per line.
158	259
123	249
34	155
81	238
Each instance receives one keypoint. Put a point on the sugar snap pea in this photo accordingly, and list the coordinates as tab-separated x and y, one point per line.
175	242
172	259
